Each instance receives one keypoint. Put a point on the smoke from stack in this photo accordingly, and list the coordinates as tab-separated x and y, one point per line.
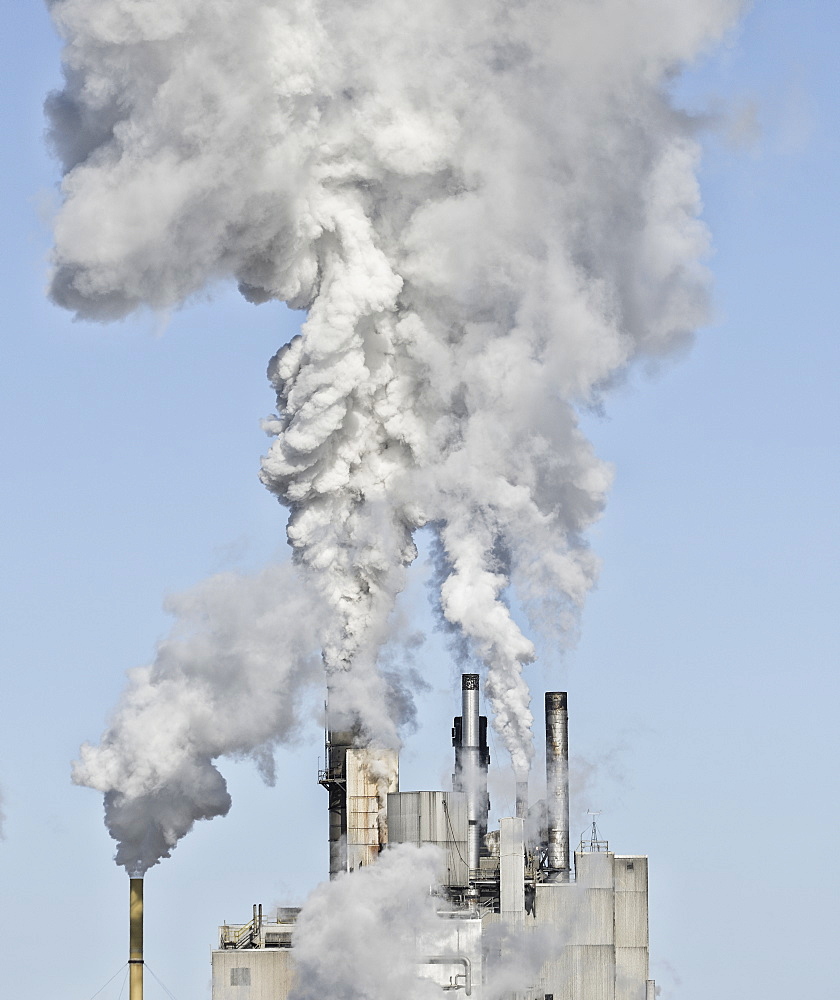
488	212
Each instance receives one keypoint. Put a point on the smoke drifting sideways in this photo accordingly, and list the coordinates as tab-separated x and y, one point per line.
488	212
228	680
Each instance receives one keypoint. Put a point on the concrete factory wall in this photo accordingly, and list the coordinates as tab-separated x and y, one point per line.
598	925
252	974
631	927
601	921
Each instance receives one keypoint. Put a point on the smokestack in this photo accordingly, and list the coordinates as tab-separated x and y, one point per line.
557	783
470	763
521	799
333	778
135	939
472	757
342	734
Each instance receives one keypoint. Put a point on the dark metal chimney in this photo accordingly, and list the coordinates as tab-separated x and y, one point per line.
557	783
342	733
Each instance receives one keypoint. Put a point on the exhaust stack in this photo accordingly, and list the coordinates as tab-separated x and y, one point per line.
521	799
135	939
472	757
557	783
334	779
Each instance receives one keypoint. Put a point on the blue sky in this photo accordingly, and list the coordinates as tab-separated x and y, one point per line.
703	689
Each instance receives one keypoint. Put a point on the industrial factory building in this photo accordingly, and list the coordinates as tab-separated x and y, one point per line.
590	910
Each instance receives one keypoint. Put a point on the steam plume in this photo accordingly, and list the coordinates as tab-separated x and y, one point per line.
228	680
340	932
487	210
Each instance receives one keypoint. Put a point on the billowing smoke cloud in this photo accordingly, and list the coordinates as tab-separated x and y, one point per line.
340	934
487	210
228	680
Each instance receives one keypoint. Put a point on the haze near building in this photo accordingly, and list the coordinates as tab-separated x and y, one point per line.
488	212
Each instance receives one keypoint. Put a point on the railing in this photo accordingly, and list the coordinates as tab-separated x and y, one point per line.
237	935
591	846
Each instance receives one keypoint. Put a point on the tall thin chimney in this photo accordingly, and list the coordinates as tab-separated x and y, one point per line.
521	799
135	939
342	733
469	737
470	764
557	783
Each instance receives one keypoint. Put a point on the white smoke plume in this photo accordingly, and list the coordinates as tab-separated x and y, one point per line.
488	211
227	681
361	935
339	948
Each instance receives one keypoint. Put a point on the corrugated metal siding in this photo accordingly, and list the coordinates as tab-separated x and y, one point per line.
631	901
594	869
272	974
630	872
580	972
370	776
579	916
631	972
631	920
512	865
595	923
432	818
631	927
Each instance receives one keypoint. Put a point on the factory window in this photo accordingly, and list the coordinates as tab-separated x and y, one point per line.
549	996
240	977
629	866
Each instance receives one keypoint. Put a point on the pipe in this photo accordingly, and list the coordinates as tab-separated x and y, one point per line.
466	975
557	783
135	939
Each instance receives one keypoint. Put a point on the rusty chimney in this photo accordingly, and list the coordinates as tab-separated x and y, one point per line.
135	939
557	783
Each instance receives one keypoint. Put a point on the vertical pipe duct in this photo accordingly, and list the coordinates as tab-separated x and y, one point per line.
135	939
557	783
